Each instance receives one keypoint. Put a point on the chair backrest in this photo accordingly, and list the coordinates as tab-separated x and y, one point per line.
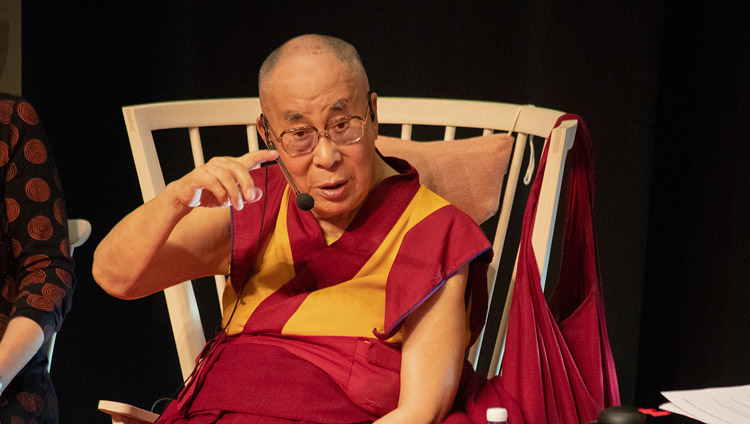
79	231
489	117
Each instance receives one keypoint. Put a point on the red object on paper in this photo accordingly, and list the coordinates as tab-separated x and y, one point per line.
654	412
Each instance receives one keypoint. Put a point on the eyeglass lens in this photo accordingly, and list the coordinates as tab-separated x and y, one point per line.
342	131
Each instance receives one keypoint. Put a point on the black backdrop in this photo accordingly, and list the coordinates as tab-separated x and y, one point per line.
662	88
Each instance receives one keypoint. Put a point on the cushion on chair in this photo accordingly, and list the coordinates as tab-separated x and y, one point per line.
468	173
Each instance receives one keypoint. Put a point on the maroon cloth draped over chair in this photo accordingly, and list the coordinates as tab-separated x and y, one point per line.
557	366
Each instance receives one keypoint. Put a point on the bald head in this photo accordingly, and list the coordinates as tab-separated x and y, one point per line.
312	45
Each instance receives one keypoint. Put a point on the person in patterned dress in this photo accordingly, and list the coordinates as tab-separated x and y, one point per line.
36	269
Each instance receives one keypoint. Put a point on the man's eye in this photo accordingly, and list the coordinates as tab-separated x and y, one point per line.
340	126
300	135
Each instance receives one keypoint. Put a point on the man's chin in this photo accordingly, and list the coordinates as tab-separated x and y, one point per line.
332	210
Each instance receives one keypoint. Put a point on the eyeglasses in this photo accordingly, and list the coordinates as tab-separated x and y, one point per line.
303	140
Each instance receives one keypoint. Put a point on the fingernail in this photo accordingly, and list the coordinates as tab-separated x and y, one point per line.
256	195
240	202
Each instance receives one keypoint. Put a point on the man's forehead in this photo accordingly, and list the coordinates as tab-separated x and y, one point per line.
340	105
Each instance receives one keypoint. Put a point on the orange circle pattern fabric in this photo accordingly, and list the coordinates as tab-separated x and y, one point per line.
36	270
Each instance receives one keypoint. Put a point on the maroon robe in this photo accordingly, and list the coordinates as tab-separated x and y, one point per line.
267	375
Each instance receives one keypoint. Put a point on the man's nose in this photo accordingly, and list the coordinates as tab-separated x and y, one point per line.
327	152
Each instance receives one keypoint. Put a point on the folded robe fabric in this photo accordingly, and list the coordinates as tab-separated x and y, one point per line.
557	366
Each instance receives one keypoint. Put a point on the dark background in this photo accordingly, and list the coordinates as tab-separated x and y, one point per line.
662	87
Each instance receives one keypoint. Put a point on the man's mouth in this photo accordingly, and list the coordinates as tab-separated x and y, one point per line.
333	190
333	186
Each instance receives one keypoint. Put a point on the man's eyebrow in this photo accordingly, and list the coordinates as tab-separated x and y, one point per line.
339	105
292	115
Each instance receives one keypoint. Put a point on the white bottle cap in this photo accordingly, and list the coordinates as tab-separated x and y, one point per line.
497	415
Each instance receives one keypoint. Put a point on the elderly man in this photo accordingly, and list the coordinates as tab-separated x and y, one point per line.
357	310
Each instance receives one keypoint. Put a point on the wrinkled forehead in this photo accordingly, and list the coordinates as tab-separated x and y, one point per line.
341	106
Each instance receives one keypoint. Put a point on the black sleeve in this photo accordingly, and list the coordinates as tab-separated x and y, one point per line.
39	265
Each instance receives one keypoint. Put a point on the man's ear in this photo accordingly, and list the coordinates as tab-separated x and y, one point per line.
261	127
374	111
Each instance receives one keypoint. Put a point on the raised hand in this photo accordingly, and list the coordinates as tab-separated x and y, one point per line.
166	240
221	182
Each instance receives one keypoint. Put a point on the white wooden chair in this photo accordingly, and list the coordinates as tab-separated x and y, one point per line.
79	231
410	113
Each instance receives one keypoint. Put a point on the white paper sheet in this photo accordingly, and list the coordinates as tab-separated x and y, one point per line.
720	405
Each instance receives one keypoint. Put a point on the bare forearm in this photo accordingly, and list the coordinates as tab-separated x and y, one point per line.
123	258
22	339
167	241
431	406
432	356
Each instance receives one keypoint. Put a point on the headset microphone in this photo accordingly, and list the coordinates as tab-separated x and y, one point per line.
304	200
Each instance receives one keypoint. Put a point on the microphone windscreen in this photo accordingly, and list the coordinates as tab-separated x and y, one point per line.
305	201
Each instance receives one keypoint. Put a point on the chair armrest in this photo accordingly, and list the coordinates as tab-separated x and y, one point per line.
122	413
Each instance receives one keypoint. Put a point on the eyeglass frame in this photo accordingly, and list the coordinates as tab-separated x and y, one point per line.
267	127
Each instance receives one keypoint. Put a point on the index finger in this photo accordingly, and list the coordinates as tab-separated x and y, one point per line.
250	160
